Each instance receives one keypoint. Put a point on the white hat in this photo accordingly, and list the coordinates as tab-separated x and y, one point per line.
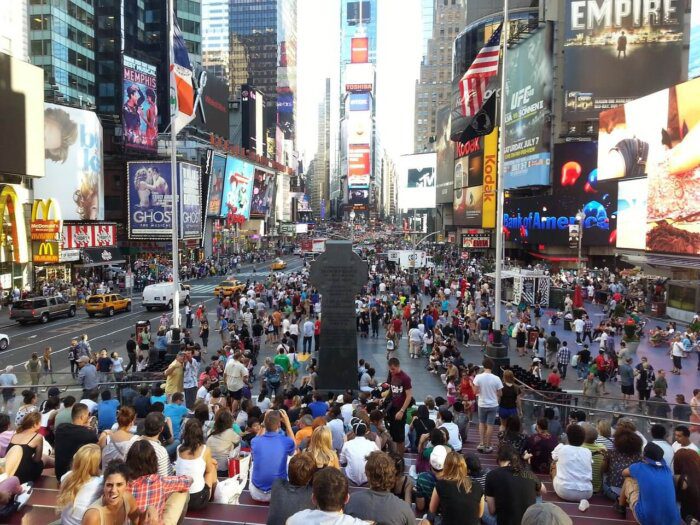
437	457
339	399
536	360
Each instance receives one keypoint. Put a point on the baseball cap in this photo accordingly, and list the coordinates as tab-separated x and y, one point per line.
437	457
536	360
653	453
339	399
545	514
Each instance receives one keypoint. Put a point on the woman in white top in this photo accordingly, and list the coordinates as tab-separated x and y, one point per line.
81	486
117	366
194	460
117	506
572	470
222	440
120	441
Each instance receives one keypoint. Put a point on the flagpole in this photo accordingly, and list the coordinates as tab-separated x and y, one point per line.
499	176
173	168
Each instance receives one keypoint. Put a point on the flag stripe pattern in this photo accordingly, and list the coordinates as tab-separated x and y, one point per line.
181	74
472	86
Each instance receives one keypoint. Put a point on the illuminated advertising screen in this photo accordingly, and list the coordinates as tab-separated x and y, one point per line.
546	219
527	127
359	50
263	194
238	187
694	52
358	197
655	139
216	185
73	162
212	115
359	78
140	106
150	199
190	190
609	48
359	127
359	101
417	181
359	12
444	153
468	182
358	166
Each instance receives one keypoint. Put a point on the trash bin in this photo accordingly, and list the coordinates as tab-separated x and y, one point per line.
567	325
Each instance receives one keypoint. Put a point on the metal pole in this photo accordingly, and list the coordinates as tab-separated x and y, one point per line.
174	173
499	176
580	217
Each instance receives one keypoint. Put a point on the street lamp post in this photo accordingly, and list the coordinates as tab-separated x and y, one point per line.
580	216
352	226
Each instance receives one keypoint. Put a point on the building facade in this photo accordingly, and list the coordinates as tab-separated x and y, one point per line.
215	37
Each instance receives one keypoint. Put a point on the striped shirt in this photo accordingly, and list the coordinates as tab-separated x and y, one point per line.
564	355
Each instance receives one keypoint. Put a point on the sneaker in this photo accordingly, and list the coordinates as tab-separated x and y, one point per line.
480	448
622	511
488	450
583	505
21	499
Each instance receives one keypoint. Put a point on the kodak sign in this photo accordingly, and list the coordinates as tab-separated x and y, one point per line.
488	216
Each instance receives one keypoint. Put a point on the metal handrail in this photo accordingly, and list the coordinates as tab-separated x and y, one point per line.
65	386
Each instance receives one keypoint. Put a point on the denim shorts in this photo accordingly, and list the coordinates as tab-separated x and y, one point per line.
488	415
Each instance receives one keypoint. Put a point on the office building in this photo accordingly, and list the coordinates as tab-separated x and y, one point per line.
434	87
14	30
215	37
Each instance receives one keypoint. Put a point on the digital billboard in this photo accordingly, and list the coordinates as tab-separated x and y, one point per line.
73	162
359	101
359	12
150	199
444	155
263	194
527	118
694	51
238	187
468	182
358	198
212	115
359	50
359	127
140	105
252	104
655	139
216	185
190	191
417	181
546	219
359	78
358	166
609	48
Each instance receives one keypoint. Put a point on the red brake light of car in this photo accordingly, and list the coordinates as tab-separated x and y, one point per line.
33	312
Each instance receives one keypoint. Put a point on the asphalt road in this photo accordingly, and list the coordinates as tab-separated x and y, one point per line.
104	332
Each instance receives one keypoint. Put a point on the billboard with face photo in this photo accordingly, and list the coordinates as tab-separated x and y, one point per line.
216	185
189	189
150	199
655	139
445	164
140	106
263	194
238	188
73	162
609	46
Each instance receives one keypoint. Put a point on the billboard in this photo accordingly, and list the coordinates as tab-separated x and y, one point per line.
212	115
238	187
527	117
488	214
358	198
359	102
216	185
88	236
263	194
252	105
303	204
190	191
73	163
609	46
150	199
545	219
444	158
359	78
694	51
359	50
359	127
358	166
359	12
22	123
417	181
140	105
654	140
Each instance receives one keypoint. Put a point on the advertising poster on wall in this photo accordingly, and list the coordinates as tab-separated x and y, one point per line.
238	187
73	163
263	194
488	215
358	166
444	153
609	47
694	52
417	181
150	199
190	189
468	183
359	50
359	101
655	138
632	214
140	106
212	115
527	117
216	185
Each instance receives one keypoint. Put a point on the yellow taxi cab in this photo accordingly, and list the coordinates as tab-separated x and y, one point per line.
278	264
107	304
227	288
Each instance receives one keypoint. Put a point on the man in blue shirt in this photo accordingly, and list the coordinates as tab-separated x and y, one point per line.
649	490
270	451
106	411
318	407
176	410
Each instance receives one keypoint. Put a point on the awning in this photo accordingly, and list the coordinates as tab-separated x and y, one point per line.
101	257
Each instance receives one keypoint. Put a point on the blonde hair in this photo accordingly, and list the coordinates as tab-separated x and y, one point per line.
603	428
455	469
86	465
321	446
88	191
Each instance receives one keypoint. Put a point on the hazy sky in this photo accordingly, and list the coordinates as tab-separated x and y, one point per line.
398	64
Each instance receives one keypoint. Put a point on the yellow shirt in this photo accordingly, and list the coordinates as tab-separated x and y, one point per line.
174	382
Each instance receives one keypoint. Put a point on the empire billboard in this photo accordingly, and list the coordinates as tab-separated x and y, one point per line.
609	48
528	98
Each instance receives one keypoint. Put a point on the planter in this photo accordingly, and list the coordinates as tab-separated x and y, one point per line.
632	347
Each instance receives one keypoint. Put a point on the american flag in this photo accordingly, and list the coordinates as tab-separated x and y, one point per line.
472	86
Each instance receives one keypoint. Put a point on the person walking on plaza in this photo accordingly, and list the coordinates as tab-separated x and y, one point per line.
563	359
308	332
33	366
131	354
579	325
73	358
401	392
87	375
553	343
488	388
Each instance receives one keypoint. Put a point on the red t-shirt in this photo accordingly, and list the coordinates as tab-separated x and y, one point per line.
399	384
397	325
554	379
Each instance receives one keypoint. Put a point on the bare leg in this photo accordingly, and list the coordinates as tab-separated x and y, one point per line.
12	460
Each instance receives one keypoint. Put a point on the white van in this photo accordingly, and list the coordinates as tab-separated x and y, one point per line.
161	296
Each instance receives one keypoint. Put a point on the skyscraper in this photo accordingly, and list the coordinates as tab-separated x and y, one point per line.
62	43
14	31
215	37
435	84
319	184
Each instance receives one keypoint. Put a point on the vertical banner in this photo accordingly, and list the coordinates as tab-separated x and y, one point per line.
238	188
140	105
216	185
263	192
150	199
190	201
488	215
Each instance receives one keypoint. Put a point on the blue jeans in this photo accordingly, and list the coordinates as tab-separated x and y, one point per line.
582	370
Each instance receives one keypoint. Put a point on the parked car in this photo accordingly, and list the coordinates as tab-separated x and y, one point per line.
160	295
107	304
4	341
228	288
41	309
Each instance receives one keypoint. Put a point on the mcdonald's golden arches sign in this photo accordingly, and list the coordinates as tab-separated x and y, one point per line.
45	227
